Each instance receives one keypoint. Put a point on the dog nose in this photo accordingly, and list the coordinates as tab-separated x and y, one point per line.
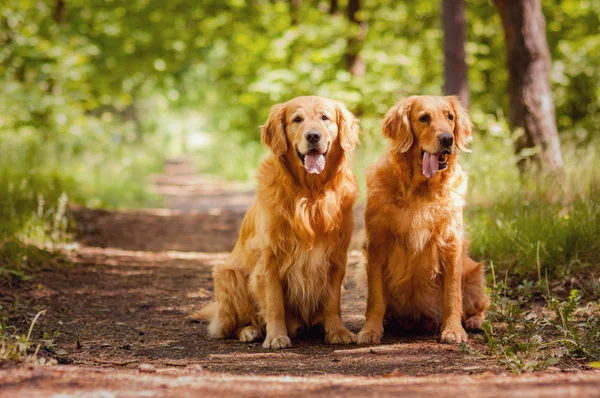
313	136
446	139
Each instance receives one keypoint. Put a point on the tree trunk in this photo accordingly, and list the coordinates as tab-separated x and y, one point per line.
333	7
60	12
295	10
531	105
354	62
456	81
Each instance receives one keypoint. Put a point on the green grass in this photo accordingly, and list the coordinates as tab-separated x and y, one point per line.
33	202
530	225
39	179
19	348
19	259
531	237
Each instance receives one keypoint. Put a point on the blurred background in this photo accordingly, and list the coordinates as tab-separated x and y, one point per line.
96	95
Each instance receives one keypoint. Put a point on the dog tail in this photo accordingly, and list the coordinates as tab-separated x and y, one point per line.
207	313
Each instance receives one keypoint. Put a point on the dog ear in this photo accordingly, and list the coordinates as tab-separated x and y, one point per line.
396	125
463	128
348	127
273	131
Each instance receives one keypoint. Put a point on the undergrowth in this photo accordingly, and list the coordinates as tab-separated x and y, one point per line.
20	348
530	328
33	206
40	179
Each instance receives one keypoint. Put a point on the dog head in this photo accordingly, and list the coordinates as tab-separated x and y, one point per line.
309	131
429	128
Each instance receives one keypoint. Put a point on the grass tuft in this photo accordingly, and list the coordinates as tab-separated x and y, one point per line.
20	348
527	336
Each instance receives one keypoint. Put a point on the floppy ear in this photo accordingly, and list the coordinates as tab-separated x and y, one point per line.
463	128
396	125
348	127
273	131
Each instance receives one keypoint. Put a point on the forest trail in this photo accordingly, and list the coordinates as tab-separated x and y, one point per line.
121	313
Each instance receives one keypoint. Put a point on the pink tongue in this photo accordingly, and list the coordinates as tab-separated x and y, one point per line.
314	163
430	164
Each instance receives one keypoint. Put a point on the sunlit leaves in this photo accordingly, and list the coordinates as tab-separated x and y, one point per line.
232	59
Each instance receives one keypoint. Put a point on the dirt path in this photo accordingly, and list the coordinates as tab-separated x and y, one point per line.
68	381
121	316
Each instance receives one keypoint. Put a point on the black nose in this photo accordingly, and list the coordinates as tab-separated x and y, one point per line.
313	136
446	139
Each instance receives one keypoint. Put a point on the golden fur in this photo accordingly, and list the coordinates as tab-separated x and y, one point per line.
418	269
287	268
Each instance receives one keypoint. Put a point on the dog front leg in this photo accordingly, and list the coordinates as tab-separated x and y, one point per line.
372	331
277	336
452	329
335	331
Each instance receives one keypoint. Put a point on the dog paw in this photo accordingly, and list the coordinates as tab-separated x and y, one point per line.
341	336
454	335
277	342
249	333
368	336
474	322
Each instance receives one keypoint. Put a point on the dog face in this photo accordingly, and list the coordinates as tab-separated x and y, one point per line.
432	128
309	129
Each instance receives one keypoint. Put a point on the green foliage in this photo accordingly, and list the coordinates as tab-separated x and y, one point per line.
572	31
66	115
67	133
95	84
264	59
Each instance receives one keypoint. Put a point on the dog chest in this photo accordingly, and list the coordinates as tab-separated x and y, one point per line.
413	281
416	227
423	225
306	280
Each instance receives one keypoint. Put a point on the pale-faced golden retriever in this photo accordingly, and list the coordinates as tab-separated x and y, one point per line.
287	268
419	274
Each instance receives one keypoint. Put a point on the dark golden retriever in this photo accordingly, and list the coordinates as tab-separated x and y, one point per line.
418	269
287	268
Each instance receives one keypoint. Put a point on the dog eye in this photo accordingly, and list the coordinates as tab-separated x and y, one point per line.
298	119
424	118
324	117
450	116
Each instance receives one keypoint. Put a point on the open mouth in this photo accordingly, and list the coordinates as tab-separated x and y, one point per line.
313	161
443	159
434	162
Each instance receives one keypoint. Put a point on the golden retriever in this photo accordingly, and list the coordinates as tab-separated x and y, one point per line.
419	274
287	268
